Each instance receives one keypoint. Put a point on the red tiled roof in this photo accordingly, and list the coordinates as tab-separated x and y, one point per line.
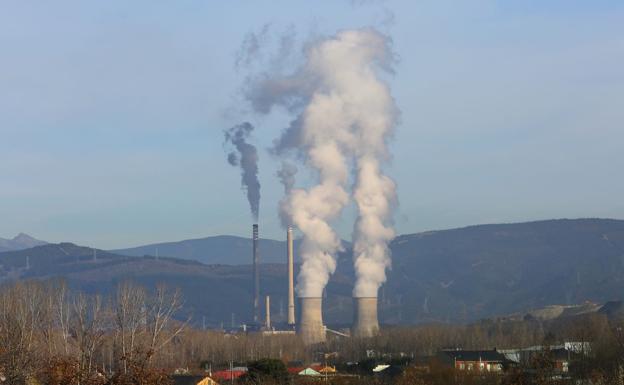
226	374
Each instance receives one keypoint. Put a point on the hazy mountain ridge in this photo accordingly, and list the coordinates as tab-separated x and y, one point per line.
479	271
456	275
19	242
213	291
221	249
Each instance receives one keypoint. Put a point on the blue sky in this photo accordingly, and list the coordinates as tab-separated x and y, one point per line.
111	113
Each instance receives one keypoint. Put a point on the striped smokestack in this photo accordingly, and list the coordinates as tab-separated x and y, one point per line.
256	275
291	280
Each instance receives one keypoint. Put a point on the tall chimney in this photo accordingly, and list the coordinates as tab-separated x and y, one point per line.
267	322
365	322
311	328
291	280
256	275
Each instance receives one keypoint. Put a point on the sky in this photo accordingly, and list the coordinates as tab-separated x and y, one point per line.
112	113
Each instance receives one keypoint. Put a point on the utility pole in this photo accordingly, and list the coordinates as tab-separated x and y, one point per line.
325	368
232	372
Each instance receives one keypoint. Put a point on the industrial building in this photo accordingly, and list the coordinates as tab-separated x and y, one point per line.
309	322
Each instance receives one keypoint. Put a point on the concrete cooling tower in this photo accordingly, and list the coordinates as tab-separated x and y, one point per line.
311	328
365	322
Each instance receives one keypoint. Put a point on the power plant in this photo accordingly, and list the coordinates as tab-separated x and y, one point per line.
311	328
365	322
291	273
360	129
256	275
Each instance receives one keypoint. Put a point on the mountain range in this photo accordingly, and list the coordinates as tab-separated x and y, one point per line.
457	275
19	242
222	249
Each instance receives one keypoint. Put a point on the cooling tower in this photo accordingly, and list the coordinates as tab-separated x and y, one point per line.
311	328
291	280
256	275
365	322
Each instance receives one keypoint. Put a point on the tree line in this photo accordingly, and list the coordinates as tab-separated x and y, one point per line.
59	336
141	336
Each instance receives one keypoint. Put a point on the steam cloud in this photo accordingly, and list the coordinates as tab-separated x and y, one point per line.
245	156
344	114
286	175
374	194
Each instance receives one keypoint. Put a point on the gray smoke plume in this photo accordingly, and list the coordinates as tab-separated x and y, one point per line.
251	48
344	114
245	156
286	175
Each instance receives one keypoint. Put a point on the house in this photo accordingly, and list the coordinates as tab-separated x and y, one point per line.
389	371
473	360
327	370
295	369
309	372
562	358
193	380
560	355
380	368
230	374
316	366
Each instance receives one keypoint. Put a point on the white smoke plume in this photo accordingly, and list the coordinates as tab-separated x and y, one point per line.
344	114
246	157
374	194
287	176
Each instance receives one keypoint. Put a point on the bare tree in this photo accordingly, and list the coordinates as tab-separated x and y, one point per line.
62	313
87	328
160	312
129	316
21	317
